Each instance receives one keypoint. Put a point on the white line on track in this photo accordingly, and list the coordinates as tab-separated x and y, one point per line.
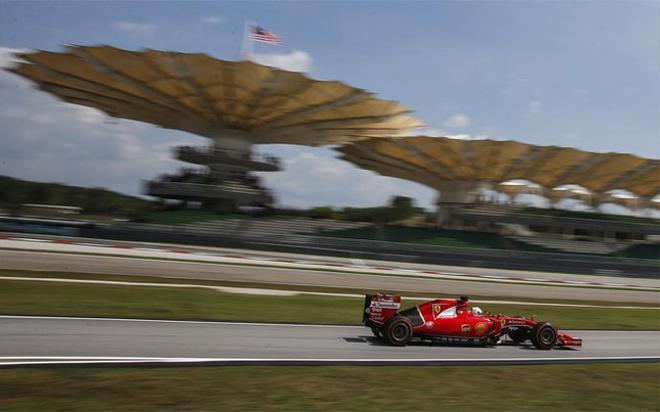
180	321
55	360
194	256
285	292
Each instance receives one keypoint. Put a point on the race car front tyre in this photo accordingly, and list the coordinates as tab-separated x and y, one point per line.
544	336
399	331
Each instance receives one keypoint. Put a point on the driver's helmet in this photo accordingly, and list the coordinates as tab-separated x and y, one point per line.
477	311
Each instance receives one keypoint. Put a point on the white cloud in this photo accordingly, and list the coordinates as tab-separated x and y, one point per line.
8	56
296	61
431	132
530	199
467	136
313	176
460	136
141	29
576	205
44	139
457	121
213	20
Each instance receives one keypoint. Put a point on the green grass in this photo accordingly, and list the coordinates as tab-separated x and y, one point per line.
603	387
32	298
43	298
279	286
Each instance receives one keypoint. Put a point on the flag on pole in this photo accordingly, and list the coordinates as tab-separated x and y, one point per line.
259	34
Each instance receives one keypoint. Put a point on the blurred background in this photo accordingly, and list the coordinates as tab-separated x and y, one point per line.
273	161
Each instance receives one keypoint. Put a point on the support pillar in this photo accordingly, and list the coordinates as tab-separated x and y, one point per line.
455	195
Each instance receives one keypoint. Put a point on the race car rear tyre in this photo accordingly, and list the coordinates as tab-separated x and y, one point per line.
399	331
544	336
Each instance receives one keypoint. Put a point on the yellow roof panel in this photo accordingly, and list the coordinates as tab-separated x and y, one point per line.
211	95
599	175
491	161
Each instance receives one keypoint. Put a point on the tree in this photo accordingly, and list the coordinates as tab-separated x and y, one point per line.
321	212
400	208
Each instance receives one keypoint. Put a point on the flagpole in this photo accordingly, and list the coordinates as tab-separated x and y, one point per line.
247	44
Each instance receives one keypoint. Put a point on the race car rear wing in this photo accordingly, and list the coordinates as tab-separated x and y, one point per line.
379	308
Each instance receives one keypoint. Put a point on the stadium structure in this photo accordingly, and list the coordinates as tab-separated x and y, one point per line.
234	104
239	104
462	170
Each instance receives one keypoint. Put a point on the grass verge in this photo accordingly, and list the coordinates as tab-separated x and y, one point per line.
43	298
603	387
281	286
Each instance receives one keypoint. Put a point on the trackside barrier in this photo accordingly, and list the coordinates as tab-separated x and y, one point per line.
383	250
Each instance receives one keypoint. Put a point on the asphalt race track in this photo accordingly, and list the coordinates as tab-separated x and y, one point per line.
120	341
39	261
324	259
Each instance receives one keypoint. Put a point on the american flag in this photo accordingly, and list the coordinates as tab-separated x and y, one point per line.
259	34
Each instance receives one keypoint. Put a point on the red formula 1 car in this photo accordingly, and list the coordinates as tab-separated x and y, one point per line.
454	321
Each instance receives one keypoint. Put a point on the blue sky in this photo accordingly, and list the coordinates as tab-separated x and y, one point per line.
582	74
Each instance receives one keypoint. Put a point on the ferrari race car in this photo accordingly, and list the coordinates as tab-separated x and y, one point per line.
454	321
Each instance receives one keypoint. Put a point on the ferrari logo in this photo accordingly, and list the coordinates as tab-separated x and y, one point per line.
436	309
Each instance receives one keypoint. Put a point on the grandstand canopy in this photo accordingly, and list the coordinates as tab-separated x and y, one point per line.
199	94
445	163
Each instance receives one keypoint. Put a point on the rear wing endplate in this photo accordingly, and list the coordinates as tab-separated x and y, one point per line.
380	307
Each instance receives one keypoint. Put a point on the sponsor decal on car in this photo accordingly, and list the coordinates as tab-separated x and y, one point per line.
465	328
514	322
385	304
481	328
